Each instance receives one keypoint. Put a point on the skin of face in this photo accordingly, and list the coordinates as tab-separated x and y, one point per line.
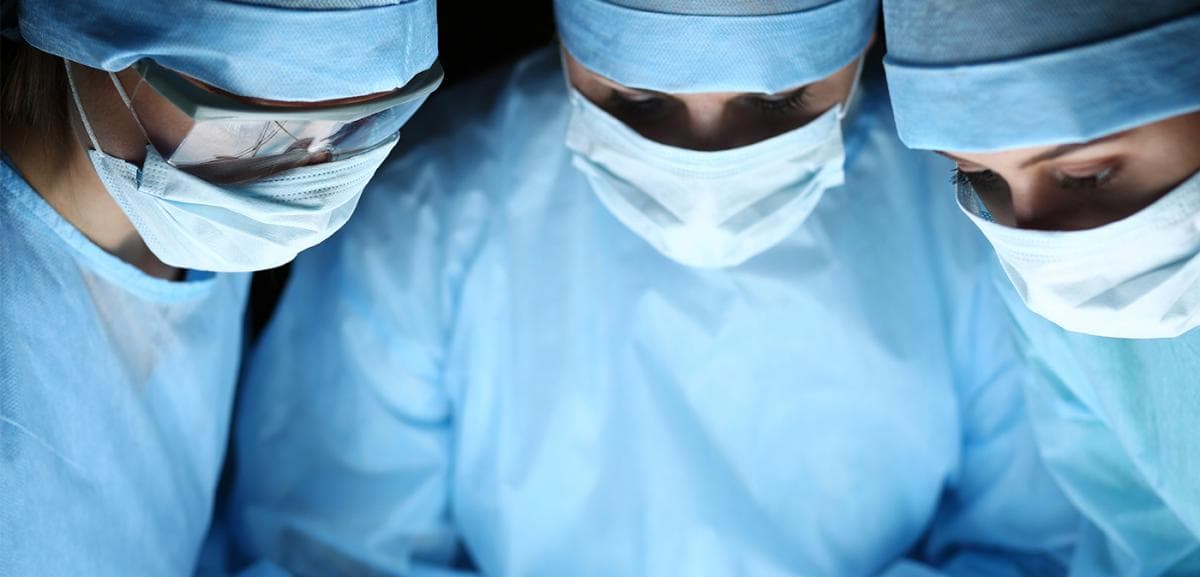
710	120
1084	185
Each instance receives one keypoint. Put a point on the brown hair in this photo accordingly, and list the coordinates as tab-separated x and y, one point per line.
34	96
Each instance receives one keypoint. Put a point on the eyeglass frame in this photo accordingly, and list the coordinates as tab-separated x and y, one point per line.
201	104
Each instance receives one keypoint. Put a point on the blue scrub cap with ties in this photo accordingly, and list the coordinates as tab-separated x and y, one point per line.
683	46
981	75
289	50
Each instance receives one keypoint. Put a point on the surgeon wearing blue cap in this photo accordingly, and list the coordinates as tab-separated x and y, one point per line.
672	300
153	150
1076	130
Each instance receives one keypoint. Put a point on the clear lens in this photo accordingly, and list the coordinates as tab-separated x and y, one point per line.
228	151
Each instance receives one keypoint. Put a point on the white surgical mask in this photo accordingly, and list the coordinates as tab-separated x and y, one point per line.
193	224
701	208
1138	277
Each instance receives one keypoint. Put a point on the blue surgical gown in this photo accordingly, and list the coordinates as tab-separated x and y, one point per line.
1119	423
116	392
485	371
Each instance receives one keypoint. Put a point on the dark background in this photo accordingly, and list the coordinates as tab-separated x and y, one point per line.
472	38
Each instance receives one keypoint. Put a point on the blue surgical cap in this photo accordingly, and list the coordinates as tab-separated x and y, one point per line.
715	45
291	50
981	75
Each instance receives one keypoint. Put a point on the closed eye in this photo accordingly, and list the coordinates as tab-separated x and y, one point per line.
1089	182
982	181
775	105
641	107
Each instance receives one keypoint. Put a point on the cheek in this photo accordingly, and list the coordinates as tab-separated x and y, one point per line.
1149	170
163	123
588	84
1166	160
825	95
834	89
1160	156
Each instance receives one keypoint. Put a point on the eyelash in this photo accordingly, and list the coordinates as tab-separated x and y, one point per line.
1092	182
986	178
794	102
652	107
981	179
647	107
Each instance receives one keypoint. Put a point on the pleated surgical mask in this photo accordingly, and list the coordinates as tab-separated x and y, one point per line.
707	209
190	223
1138	277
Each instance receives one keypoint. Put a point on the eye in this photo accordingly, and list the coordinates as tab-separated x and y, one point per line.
640	107
1084	179
778	105
981	180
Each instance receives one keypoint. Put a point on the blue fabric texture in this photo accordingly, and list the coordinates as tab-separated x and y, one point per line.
982	75
485	365
1116	420
116	390
715	45
309	50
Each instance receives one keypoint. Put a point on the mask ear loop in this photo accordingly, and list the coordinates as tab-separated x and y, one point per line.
83	119
87	126
128	104
845	106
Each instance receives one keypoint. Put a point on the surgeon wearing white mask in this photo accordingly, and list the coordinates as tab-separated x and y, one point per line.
711	178
1077	149
1075	127
668	299
154	152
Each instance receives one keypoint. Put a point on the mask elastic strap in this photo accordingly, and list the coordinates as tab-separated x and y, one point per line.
83	119
853	88
128	103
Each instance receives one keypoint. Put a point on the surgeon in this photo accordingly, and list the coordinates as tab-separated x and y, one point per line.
153	151
1075	127
663	301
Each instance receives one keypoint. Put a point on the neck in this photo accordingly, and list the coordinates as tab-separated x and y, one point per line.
70	185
